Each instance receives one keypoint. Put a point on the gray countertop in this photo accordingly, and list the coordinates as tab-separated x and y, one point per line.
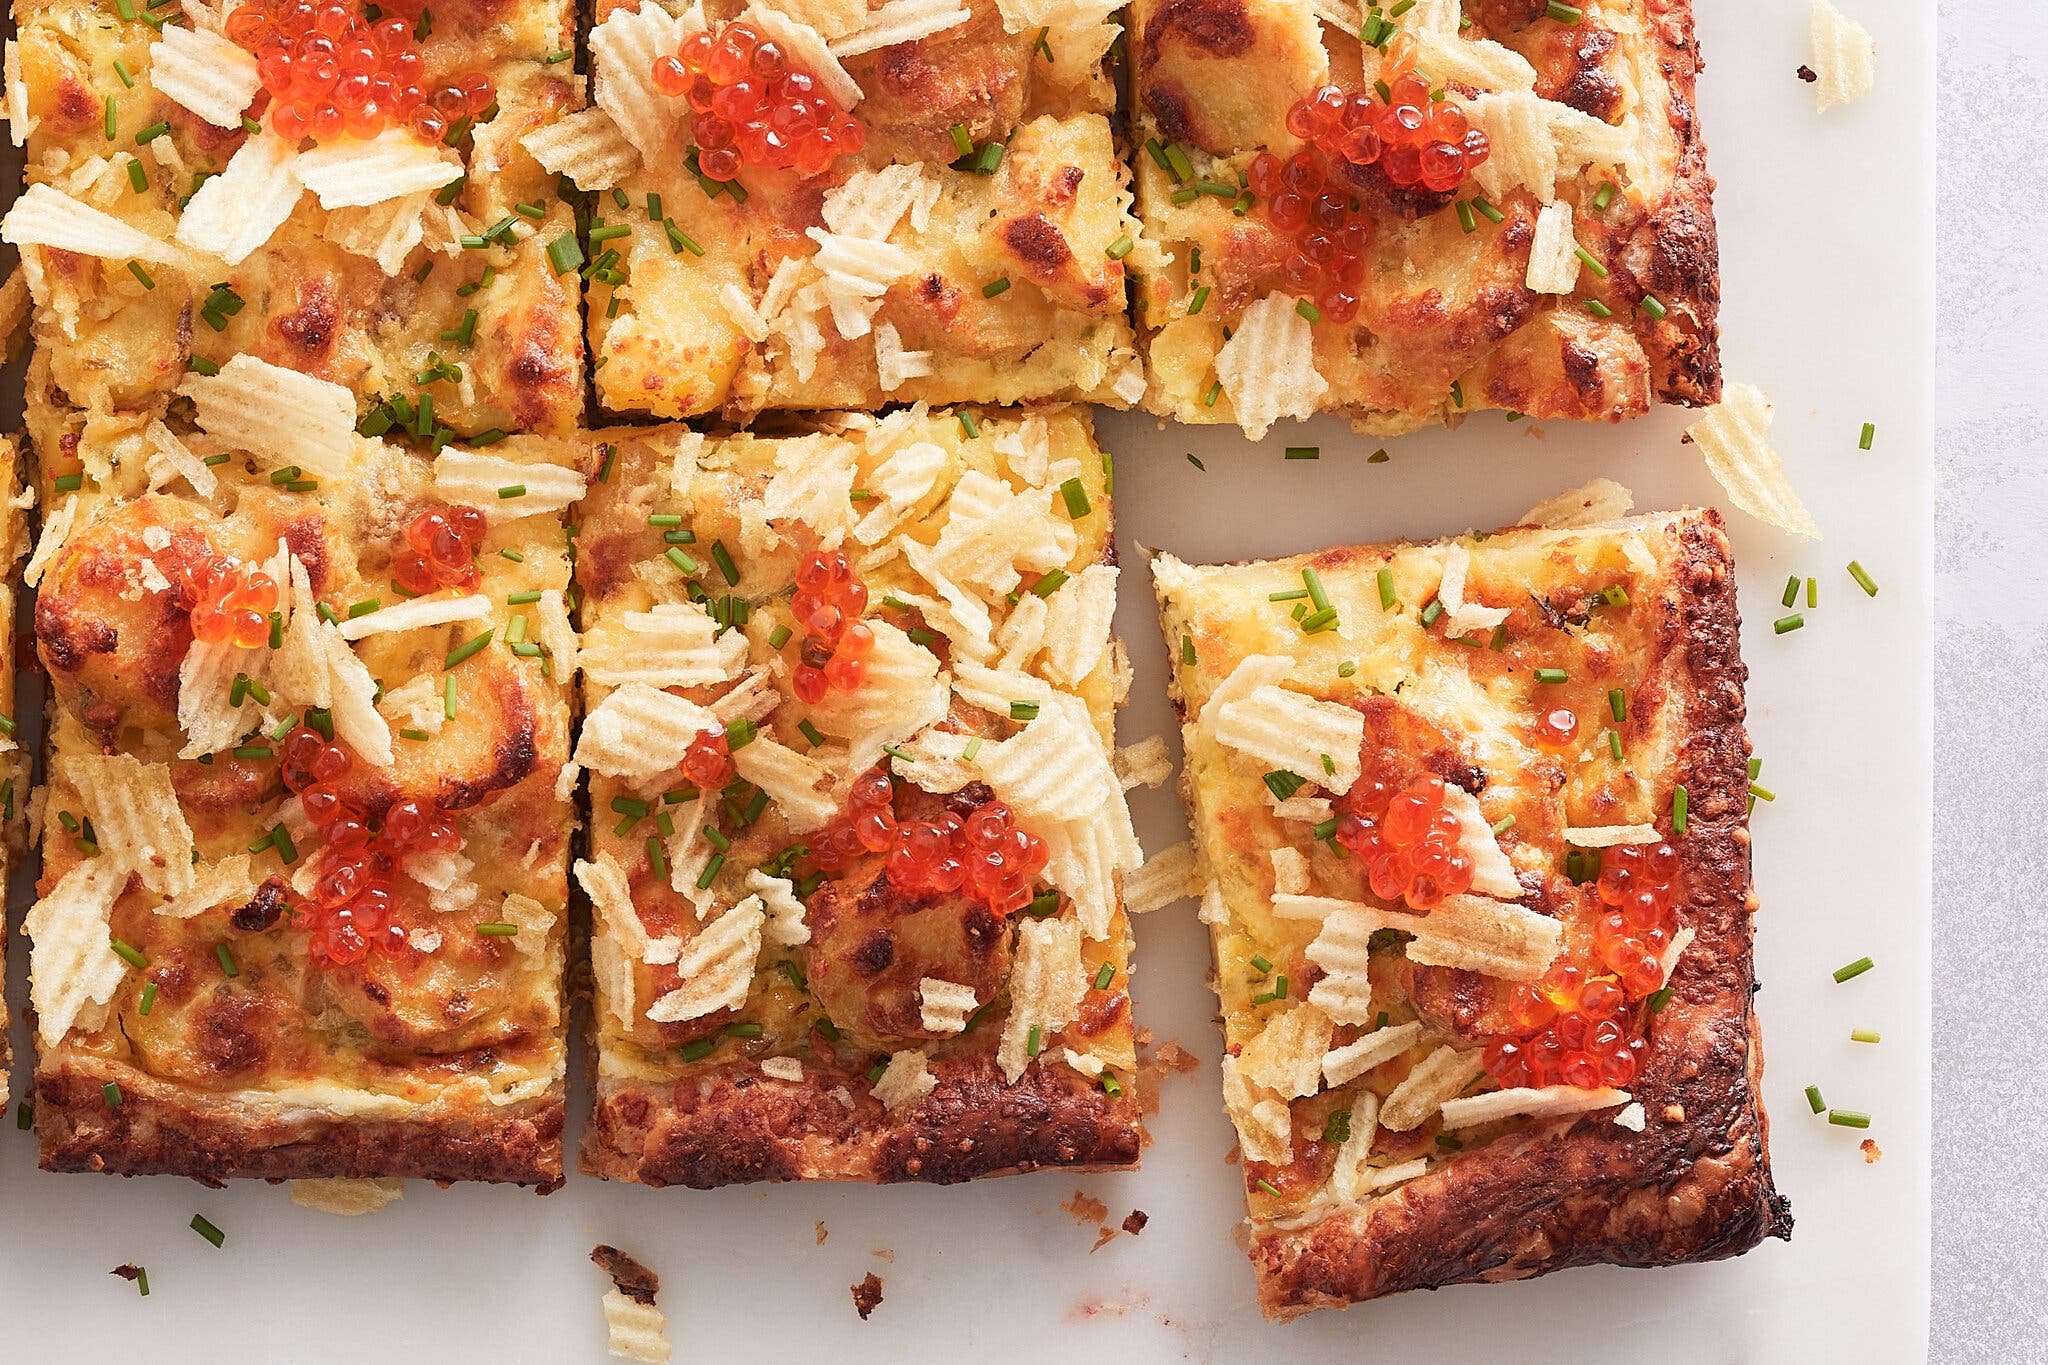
1990	1211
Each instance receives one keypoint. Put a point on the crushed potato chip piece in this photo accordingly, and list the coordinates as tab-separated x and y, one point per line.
352	172
1735	437
464	476
675	644
1341	950
200	70
902	21
1554	255
716	967
1589	504
943	1006
135	816
44	216
20	123
345	1197
897	485
1286	1057
316	667
205	685
1077	624
808	49
894	366
415	612
588	146
634	1330
639	731
72	971
1844	58
832	18
280	416
1610	836
1349	1175
1047	984
785	926
1290	871
234	213
1549	1102
906	1080
214	885
799	786
56	533
1492	873
901	695
872	202
623	50
1345	1064
386	232
1448	54
1264	1123
783	1068
1279	729
1435	1079
618	940
1268	367
1144	764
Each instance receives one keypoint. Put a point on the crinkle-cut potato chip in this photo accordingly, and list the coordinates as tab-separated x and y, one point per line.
1285	730
316	667
901	695
635	1331
205	685
872	202
1264	1123
1286	1056
785	926
831	18
716	967
56	533
415	612
943	1006
418	704
1590	504
227	882
813	484
1053	770
346	1197
588	146
234	213
1492	872
1047	984
1086	857
1524	152
200	70
906	1080
1475	934
386	232
1029	16
623	50
1554	256
20	123
898	484
1144	764
44	216
739	307
279	416
552	632
353	172
1436	1078
1844	58
675	644
808	49
1549	1102
797	785
1078	622
1290	871
1342	950
1610	836
135	817
783	1068
1735	437
72	972
902	21
1462	618
1268	367
618	940
1349	1175
1448	55
638	731
1345	1064
894	366
505	489
1674	950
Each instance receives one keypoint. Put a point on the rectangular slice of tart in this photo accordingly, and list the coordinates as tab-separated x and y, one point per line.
305	850
1472	819
857	842
1405	217
364	212
828	203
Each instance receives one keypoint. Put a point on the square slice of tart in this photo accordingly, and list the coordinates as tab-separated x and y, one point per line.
305	843
1405	218
1472	818
181	209
857	842
945	218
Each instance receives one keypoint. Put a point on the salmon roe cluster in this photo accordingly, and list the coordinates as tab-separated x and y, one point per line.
1570	1030
984	852
708	759
329	70
1635	924
441	546
1416	141
350	910
827	604
1407	839
752	107
1329	236
231	602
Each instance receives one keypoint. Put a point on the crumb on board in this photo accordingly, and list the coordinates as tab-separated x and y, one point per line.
885	1254
823	1233
1085	1208
867	1295
629	1277
1135	1220
1871	1151
1807	74
1104	1235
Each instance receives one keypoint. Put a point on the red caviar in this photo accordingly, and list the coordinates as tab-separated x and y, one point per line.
753	107
330	70
827	604
441	546
985	852
1572	1029
350	910
231	602
1407	840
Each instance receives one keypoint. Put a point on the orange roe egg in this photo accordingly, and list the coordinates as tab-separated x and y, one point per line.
827	605
750	106
231	602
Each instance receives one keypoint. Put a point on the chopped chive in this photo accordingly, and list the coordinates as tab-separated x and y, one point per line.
1466	219
497	929
1214	392
995	287
688	567
1502	825
564	254
963	142
1308	310
1550	675
1429	614
1863	579
148	999
448	698
467	650
559	56
1304	452
1761	792
1269	1187
138	178
1785	625
1347	668
207	1230
1791	593
68	483
409	733
1869	435
1681	800
121	70
1854	969
1652	305
1865	1035
1024	710
1614	744
1617	703
1491	215
1848	1118
1605	196
1814	1101
1386	584
225	954
111	1093
252	751
1033	1041
722	557
969	424
697	1051
1120	248
1076	499
1105	976
1658	999
1201	297
128	953
1284	784
1592	262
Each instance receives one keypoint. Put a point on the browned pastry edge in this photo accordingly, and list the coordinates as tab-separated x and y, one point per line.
733	1125
164	1129
1584	1191
1675	253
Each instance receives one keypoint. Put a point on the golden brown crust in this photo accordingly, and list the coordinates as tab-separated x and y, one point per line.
1695	1184
735	1126
160	1129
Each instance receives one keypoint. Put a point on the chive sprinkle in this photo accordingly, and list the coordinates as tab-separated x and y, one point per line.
1304	452
1681	801
1791	593
207	1230
128	953
1563	13
1848	1118
1865	1035
1785	625
1869	435
468	649
1550	675
1105	976
1863	579
111	1093
226	955
148	999
1076	499
1386	584
1814	1101
1853	970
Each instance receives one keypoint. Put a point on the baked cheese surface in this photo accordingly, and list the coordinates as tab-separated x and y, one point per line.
243	965
1560	710
777	995
1463	299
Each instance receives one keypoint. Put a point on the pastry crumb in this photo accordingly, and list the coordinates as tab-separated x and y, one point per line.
1084	1208
1807	74
1674	1113
1135	1220
867	1295
822	1232
629	1277
1871	1151
885	1254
